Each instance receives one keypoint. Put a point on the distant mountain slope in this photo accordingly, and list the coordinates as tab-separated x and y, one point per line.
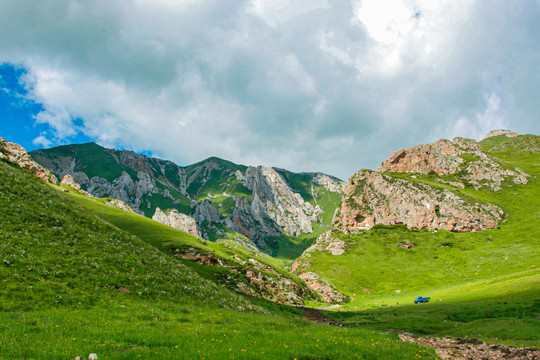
261	203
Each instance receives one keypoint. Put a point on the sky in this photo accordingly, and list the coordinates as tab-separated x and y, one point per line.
306	85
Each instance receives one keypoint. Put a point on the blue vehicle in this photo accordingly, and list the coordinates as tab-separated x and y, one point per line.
421	299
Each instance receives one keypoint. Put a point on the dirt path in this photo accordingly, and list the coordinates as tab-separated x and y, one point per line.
315	315
471	349
446	348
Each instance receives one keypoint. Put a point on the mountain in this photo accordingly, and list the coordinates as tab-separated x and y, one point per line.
82	274
221	198
435	215
74	284
397	194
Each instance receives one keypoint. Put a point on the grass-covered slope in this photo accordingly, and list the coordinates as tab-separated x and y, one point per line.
60	269
390	266
55	252
173	242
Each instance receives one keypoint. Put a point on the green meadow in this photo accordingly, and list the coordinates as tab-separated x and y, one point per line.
61	270
482	284
78	276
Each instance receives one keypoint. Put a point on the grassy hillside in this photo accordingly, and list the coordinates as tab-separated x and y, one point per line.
60	269
387	267
171	241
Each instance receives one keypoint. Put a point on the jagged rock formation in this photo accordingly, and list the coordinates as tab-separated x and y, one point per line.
15	153
330	183
507	133
256	202
373	198
444	157
177	220
206	211
274	210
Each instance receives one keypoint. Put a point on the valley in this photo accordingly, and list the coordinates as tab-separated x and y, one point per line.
457	221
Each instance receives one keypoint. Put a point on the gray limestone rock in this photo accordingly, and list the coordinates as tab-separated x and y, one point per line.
177	220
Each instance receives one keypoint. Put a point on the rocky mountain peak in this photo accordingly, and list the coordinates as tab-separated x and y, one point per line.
441	157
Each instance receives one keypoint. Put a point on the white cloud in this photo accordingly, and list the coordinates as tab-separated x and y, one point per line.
42	140
305	85
277	12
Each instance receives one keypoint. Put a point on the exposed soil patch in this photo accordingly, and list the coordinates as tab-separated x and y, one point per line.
315	315
473	349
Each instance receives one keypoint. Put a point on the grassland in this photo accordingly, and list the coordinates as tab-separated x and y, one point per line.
484	284
61	270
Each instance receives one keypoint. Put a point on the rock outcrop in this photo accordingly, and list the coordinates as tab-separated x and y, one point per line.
444	157
323	288
373	198
328	243
273	198
252	277
177	220
15	153
119	204
68	181
507	133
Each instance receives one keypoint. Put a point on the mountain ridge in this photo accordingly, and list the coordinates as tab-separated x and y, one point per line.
210	191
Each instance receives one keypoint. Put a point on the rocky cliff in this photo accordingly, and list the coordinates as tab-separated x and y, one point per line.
375	198
418	199
260	203
15	153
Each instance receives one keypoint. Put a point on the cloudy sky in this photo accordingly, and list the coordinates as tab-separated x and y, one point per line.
308	85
